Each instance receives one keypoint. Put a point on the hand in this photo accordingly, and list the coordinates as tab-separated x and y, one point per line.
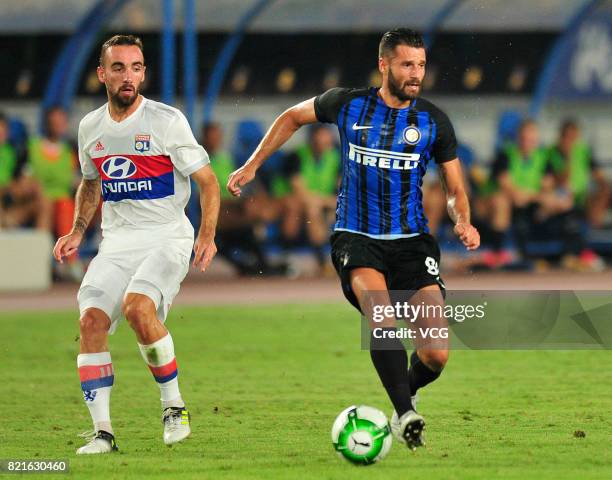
468	235
204	250
239	178
67	245
522	199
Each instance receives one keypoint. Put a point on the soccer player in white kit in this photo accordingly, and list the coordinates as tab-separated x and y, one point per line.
139	155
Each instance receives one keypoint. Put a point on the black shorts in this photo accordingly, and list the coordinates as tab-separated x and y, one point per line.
407	263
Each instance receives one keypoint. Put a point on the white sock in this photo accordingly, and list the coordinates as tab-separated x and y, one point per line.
160	358
97	378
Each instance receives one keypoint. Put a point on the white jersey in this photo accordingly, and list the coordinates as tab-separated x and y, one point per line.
143	163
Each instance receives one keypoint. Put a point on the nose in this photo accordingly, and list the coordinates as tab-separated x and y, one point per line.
128	76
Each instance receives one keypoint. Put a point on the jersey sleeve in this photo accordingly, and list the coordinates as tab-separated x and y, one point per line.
445	144
185	153
328	104
88	169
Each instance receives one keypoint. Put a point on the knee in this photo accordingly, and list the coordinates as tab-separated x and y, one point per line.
434	359
90	323
136	312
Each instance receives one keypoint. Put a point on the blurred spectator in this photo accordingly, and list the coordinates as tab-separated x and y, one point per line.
313	172
21	202
52	162
236	239
268	199
529	197
576	170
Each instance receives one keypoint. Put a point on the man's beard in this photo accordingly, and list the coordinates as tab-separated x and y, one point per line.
124	102
397	91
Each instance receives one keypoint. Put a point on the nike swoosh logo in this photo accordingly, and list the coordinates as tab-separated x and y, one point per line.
361	127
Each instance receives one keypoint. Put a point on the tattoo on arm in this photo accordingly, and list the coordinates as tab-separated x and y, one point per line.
87	199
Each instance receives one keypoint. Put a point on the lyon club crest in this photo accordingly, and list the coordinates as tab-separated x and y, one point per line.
142	143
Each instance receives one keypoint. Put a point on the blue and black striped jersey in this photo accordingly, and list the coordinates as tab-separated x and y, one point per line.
385	152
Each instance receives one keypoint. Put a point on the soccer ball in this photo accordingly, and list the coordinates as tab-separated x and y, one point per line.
361	435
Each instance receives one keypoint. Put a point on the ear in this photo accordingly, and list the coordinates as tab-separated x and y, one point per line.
101	74
382	64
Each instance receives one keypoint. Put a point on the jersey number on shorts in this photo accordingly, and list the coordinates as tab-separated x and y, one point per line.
432	266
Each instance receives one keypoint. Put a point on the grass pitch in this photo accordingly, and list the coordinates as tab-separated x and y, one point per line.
264	384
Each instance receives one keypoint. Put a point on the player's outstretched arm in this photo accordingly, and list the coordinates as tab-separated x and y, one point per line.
87	199
204	248
457	203
281	130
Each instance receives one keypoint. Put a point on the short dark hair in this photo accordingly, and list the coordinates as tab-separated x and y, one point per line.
399	36
120	40
569	123
210	125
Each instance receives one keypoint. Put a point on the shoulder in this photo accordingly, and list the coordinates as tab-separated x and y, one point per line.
343	95
437	113
92	119
328	104
162	112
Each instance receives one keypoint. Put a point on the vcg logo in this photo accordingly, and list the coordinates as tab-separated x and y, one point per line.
119	168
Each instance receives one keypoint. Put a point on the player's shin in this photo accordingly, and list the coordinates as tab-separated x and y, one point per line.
97	378
391	361
160	358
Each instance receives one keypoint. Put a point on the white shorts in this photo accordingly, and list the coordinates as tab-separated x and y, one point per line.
156	273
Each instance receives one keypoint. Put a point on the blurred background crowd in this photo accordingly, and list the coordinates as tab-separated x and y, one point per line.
535	203
537	166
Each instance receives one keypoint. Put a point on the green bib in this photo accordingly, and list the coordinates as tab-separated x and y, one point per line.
322	176
579	168
8	162
526	174
55	176
223	166
319	177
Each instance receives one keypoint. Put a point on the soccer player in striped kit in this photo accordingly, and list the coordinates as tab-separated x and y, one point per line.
381	242
139	155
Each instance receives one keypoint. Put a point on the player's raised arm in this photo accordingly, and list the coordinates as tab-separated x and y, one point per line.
204	247
281	130
87	199
458	204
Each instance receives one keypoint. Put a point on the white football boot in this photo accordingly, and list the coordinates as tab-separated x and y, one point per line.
176	424
408	429
99	442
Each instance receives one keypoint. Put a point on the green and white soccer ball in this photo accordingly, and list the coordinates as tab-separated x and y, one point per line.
361	435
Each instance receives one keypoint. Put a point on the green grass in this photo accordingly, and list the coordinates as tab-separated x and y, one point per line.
264	384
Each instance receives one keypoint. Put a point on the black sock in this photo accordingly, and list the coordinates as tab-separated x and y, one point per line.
391	361
420	374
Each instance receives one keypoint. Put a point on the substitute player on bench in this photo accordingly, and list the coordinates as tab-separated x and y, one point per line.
139	154
381	241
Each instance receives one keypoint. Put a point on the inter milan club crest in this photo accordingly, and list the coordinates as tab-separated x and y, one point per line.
142	143
411	135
